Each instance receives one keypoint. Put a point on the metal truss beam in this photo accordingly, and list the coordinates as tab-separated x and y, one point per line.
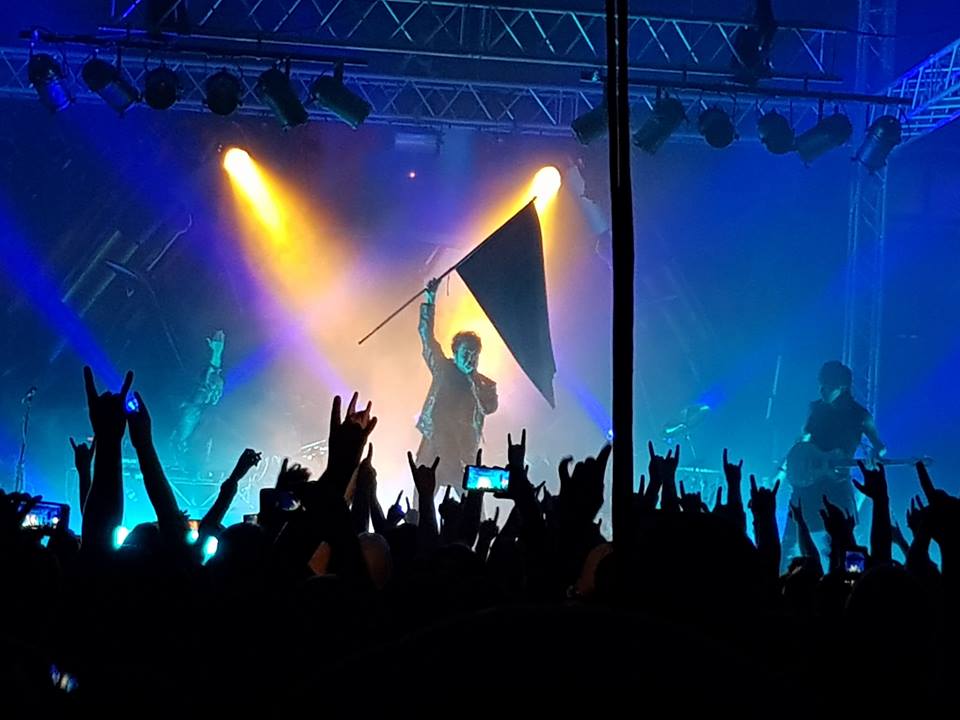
419	102
866	226
933	89
477	31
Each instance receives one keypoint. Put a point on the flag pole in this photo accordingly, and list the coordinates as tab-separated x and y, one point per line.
446	272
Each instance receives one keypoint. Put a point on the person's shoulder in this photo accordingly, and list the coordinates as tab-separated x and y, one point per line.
859	409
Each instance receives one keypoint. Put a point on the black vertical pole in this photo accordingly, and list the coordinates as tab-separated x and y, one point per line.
621	205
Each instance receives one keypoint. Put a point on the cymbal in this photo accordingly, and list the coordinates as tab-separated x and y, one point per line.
699	471
689	418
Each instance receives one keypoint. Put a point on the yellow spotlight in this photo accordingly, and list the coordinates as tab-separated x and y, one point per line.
545	185
248	178
237	161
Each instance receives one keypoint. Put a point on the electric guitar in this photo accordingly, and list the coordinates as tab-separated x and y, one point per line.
807	464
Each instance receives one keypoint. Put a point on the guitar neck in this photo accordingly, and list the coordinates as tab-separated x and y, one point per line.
887	462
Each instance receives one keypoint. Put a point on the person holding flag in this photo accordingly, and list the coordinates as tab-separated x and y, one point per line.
459	399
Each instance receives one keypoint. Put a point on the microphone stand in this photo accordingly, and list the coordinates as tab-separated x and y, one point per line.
18	481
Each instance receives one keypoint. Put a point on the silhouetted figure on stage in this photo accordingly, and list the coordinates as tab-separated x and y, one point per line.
207	394
831	435
459	399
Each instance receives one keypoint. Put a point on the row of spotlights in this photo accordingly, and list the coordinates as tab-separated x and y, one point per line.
223	91
776	133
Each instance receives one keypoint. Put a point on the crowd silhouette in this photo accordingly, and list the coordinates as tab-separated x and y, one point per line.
330	602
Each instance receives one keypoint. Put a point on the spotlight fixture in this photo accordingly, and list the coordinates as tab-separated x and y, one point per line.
775	133
591	125
223	93
883	136
108	82
275	90
831	132
331	94
161	88
716	127
48	79
667	115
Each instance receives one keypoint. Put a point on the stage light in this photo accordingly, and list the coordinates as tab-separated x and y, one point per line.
716	127
591	125
108	82
119	535
192	536
775	133
546	183
248	179
48	79
275	90
883	135
237	161
666	117
830	133
223	93
331	94
161	88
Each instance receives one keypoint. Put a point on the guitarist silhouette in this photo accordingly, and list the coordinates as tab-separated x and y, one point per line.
819	464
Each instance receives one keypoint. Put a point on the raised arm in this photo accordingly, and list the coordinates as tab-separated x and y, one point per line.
103	508
155	481
432	352
206	394
228	491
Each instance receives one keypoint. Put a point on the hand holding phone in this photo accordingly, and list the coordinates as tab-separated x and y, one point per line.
478	478
854	562
47	517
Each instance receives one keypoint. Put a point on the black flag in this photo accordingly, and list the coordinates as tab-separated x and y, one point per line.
505	274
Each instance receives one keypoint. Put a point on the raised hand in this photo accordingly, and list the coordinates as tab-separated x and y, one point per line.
581	494
943	510
732	473
763	501
367	473
292	478
248	459
82	460
451	514
838	523
647	497
430	292
83	454
663	471
691	502
347	439
517	454
489	529
395	512
874	484
108	417
918	518
216	342
139	422
424	477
